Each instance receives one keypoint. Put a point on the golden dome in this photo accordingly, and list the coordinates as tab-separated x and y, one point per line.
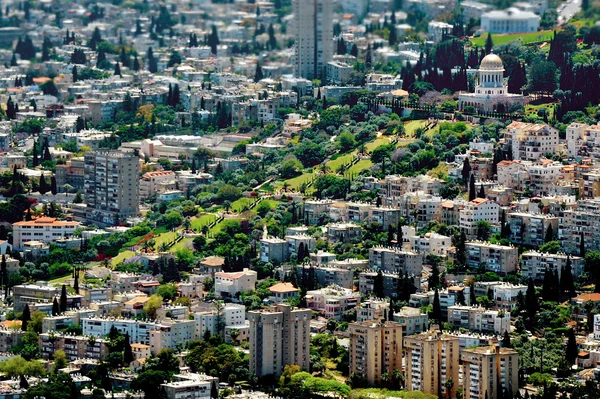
491	62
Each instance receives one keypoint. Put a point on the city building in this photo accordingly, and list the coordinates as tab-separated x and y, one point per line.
43	229
279	336
373	309
227	285
327	275
112	186
534	264
480	209
412	320
476	318
332	301
511	20
530	229
74	346
432	358
531	141
395	260
496	258
314	37
490	371
375	348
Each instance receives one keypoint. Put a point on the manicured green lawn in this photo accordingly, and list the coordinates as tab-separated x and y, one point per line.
339	161
530	37
296	182
203	220
272	203
238	205
360	166
410	127
181	244
164	238
121	257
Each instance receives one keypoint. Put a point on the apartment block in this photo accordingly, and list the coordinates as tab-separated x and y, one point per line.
332	301
171	334
534	264
488	371
431	359
420	208
316	210
153	183
139	331
530	142
314	37
395	260
375	348
476	318
190	386
412	320
480	209
385	216
431	242
343	232
506	295
43	229
327	275
279	336
582	221
230	315
9	338
112	186
500	259
75	347
229	284
274	249
530	229
30	293
366	283
373	309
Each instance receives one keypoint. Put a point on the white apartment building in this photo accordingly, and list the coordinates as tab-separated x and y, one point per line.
477	210
172	334
314	37
139	331
530	142
500	259
505	295
229	284
479	319
430	243
44	229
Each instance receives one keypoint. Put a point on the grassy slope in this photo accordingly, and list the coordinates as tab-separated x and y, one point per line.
530	37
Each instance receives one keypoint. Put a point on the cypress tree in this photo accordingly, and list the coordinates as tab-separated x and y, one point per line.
506	340
127	351
489	44
481	192
76	281
466	170
63	299
378	285
571	349
55	307
399	236
531	302
117	69
53	188
136	63
436	313
25	318
43	187
549	234
74	73
472	189
36	161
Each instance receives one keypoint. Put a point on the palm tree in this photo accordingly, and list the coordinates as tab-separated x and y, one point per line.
227	205
449	384
164	247
285	186
324	168
303	188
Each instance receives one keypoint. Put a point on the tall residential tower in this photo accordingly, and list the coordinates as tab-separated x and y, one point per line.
112	186
314	37
279	336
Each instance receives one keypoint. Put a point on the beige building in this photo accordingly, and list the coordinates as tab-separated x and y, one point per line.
530	229
75	347
153	183
228	284
375	349
480	209
487	370
585	220
279	336
530	142
44	229
112	186
395	260
500	259
534	264
431	360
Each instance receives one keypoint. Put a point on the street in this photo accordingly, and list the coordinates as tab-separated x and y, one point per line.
567	10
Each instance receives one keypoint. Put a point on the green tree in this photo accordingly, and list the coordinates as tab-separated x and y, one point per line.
489	44
436	313
63	299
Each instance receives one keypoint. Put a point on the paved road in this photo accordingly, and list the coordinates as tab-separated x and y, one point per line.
567	10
